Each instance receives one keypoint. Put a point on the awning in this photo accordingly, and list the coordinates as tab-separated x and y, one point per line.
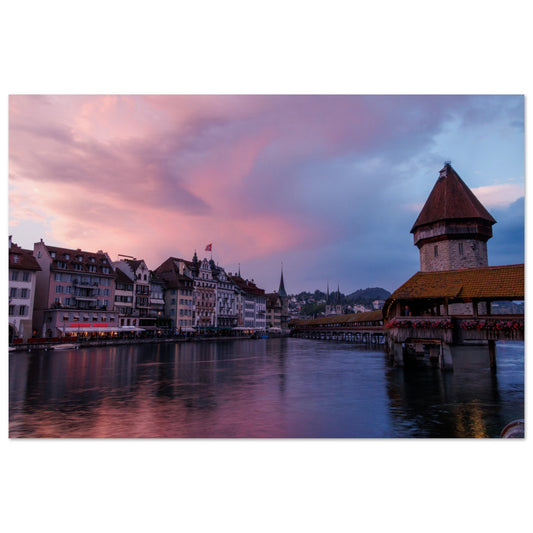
130	328
83	329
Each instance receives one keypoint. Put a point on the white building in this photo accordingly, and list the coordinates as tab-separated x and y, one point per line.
22	269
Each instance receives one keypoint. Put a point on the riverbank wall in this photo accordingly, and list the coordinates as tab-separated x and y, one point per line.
51	345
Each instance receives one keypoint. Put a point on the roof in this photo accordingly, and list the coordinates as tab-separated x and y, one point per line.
21	259
352	318
273	299
168	272
69	257
122	277
247	286
133	263
497	282
451	199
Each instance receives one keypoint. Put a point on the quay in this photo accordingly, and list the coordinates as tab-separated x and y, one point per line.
49	344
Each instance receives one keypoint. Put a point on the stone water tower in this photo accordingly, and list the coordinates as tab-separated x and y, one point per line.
452	230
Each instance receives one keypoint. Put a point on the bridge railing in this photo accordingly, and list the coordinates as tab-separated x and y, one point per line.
457	329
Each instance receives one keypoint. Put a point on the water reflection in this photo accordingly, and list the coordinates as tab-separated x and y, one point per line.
261	388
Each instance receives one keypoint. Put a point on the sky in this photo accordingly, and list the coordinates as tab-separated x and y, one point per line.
327	186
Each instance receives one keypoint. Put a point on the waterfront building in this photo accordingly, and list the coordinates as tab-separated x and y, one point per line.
22	269
139	274
277	308
75	292
157	303
274	307
252	305
204	303
453	228
226	295
178	293
124	296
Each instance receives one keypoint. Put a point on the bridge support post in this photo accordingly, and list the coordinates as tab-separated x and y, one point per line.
434	352
492	355
397	353
445	357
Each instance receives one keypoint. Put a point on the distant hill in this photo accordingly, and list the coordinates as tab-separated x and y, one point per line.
366	296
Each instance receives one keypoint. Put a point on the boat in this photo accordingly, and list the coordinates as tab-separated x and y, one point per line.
65	346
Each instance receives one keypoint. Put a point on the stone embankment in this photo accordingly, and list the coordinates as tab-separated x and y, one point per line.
33	346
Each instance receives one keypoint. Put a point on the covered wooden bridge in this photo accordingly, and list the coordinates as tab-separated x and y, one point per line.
434	311
364	328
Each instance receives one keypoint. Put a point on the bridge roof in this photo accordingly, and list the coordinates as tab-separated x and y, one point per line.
489	283
352	318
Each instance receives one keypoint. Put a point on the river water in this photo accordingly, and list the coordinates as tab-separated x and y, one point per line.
283	387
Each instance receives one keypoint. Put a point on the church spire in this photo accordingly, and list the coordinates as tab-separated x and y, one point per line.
281	290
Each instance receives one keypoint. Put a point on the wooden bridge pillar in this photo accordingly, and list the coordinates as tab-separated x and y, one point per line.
492	355
397	353
445	357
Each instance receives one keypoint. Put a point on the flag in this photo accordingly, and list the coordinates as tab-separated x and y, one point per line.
209	248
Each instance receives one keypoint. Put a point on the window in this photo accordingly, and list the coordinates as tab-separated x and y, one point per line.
16	258
461	251
11	310
436	251
52	255
22	310
14	275
23	293
26	276
59	288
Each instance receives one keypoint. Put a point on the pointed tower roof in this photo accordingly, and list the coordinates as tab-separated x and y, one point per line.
451	199
281	290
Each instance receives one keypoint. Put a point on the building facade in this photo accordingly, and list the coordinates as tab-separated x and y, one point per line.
22	278
178	295
251	305
140	276
75	292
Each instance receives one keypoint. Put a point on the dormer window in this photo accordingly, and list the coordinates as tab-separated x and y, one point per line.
52	255
79	258
16	258
67	256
